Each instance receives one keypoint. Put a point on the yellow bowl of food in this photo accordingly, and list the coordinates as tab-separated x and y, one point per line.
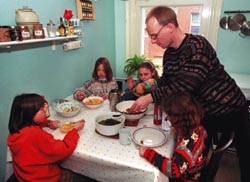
66	127
93	102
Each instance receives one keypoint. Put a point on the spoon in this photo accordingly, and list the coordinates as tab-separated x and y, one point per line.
116	115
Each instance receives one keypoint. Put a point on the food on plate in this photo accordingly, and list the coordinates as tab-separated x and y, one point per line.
128	110
109	122
66	109
67	127
93	101
74	108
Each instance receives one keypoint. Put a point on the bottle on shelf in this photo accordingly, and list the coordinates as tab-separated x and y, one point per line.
61	28
71	28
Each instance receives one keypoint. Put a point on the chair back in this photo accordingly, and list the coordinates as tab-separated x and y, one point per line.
218	145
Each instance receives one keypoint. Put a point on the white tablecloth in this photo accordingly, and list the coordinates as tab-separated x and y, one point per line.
103	158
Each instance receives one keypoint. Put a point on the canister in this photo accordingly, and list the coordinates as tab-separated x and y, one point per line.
15	34
51	28
38	31
25	32
4	34
114	98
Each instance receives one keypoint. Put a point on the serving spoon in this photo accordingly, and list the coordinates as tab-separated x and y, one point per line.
116	115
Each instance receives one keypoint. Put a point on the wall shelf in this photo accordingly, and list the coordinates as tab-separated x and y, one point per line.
85	9
11	43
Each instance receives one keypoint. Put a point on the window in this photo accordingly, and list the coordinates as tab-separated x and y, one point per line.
194	16
195	23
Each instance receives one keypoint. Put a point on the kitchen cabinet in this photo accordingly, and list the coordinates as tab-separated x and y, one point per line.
85	10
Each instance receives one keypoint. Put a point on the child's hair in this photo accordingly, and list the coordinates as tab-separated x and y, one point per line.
107	68
24	108
149	65
185	109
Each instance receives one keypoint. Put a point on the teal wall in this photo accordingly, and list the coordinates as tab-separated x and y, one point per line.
36	68
55	74
232	49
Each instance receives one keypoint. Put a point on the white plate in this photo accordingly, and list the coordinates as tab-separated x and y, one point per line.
149	137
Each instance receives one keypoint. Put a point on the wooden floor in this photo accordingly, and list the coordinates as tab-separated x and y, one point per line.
229	168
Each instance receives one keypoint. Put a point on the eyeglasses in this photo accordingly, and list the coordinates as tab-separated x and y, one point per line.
155	35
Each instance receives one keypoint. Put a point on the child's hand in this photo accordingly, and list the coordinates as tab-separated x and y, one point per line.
79	95
79	125
130	83
103	95
142	149
54	124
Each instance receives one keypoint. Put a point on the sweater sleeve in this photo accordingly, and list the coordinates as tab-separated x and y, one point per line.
55	149
84	89
187	156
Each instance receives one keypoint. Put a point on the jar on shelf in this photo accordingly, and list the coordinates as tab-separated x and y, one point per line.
38	31
25	32
15	33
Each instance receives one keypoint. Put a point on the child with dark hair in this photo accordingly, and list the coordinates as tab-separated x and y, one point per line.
35	152
147	75
189	156
101	83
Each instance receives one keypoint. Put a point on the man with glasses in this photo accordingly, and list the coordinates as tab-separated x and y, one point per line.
190	64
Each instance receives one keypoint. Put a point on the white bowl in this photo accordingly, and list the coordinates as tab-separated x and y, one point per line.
67	108
93	102
124	105
109	130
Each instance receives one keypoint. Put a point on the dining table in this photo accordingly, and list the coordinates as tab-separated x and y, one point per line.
103	158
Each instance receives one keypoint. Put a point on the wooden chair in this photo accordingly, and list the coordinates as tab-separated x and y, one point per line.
219	143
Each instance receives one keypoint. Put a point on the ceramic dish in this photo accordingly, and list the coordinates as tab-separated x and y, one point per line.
149	137
109	123
93	102
123	107
66	108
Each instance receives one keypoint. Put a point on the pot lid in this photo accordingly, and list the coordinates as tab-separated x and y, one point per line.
224	22
245	28
236	21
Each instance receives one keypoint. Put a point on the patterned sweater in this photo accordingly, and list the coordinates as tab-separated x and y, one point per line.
194	67
187	160
97	86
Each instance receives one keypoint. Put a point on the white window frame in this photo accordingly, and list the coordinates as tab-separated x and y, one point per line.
209	20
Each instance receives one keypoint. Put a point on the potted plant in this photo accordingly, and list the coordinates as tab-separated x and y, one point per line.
132	64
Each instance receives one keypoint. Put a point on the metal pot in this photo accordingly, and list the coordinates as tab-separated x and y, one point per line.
245	29
224	22
236	21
